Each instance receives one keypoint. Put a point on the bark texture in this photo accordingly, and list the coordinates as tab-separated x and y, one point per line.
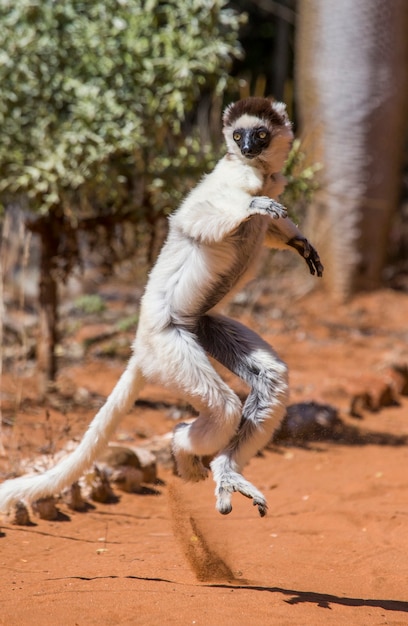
352	93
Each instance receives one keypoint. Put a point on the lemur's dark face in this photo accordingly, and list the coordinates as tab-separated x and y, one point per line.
257	130
252	141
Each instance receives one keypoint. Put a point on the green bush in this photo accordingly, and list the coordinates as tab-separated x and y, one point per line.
90	304
93	94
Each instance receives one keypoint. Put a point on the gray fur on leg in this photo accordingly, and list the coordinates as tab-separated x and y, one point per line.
247	355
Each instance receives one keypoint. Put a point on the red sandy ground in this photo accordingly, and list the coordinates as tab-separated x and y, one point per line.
332	549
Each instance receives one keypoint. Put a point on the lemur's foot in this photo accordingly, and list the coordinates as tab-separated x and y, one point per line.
229	482
309	253
236	483
268	206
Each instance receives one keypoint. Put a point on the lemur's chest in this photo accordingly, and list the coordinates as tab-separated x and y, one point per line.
239	176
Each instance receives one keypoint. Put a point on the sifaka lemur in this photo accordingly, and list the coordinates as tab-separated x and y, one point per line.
213	242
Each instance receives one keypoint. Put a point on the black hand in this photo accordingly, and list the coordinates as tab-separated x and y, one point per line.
306	250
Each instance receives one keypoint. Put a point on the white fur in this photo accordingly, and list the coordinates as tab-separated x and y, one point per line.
212	244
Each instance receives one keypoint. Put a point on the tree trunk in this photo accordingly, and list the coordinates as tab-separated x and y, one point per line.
352	94
48	230
281	57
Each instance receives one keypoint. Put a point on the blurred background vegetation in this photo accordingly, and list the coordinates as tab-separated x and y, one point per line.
110	112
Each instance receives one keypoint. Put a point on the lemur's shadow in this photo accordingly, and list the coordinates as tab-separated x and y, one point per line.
323	600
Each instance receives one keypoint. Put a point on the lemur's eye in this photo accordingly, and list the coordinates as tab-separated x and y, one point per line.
236	136
262	134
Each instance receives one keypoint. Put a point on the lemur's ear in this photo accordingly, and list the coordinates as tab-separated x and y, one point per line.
226	117
280	108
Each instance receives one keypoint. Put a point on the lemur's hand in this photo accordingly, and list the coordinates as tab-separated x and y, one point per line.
267	206
309	253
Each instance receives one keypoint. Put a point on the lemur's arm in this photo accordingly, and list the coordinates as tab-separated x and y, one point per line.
283	233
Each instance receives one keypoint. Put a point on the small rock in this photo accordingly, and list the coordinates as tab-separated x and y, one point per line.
399	377
160	447
72	496
142	459
148	463
19	516
128	479
307	421
371	392
97	486
360	402
45	508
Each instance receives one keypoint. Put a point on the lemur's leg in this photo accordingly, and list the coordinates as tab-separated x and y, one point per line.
252	359
188	370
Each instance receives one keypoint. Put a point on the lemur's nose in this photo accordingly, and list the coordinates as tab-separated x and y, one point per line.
246	145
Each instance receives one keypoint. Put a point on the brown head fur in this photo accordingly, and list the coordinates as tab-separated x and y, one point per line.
264	108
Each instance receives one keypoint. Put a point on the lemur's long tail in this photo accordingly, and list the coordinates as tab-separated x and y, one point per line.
95	439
